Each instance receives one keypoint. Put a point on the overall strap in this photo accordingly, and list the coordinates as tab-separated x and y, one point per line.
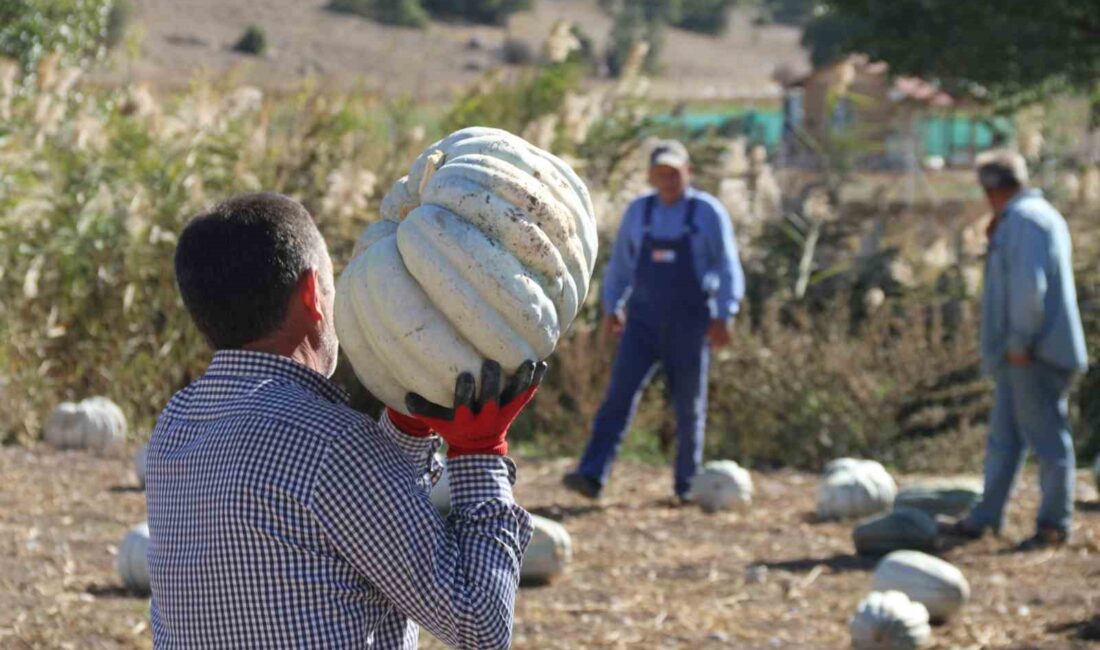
689	220
647	213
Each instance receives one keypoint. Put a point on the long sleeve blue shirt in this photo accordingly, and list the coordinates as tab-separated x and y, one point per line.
714	251
1029	301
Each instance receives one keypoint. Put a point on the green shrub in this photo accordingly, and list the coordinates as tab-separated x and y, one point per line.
515	51
403	13
118	19
492	12
253	41
32	29
513	106
705	16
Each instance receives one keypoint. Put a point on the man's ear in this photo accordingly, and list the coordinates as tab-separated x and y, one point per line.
309	290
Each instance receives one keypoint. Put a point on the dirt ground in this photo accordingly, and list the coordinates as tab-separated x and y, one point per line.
644	575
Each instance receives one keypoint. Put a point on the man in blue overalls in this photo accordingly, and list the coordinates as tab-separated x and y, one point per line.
675	270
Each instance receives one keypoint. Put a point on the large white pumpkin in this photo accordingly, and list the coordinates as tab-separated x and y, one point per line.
889	621
950	497
901	528
96	423
133	565
485	251
141	459
721	485
549	552
854	488
936	584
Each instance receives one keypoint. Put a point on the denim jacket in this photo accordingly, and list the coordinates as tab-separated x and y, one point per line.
1029	301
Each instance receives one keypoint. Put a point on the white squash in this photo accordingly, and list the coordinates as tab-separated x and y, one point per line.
936	584
901	528
548	554
889	621
133	563
854	488
949	497
96	424
721	485
485	251
141	459
441	490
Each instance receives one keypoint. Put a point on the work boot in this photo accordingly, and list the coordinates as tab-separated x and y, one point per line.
582	485
1044	538
962	529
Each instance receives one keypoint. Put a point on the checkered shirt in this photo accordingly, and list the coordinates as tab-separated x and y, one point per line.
279	517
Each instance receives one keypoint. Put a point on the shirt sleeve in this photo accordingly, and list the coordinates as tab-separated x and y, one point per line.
624	259
456	577
421	451
1028	258
725	264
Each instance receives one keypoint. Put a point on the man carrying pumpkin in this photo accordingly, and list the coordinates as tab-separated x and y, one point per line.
671	290
1032	343
278	516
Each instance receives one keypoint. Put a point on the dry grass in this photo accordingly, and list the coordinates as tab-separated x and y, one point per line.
644	574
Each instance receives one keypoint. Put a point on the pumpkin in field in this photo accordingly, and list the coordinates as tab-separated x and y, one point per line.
141	459
549	552
889	621
96	424
721	485
901	528
949	497
133	566
934	583
484	251
854	488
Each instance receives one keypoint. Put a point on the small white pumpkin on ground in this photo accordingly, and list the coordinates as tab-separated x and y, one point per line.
901	528
96	424
854	488
548	554
889	621
141	460
133	564
948	497
936	584
491	244
721	485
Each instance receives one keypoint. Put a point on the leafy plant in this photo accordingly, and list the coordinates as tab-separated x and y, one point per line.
32	29
253	41
403	13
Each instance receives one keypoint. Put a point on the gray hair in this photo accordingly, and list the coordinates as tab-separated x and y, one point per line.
1001	169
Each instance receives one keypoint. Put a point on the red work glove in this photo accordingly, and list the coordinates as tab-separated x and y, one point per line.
480	426
408	425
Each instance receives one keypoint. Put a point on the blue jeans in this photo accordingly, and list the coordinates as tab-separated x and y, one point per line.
1029	410
682	350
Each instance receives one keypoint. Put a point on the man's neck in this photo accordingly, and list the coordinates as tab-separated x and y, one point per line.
300	351
679	197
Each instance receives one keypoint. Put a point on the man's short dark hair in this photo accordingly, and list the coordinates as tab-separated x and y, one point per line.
238	265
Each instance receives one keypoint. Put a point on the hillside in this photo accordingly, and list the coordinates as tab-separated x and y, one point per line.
181	37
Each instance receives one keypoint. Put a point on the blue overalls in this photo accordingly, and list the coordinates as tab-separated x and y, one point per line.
667	319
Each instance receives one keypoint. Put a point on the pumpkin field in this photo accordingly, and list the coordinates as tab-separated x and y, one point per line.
643	575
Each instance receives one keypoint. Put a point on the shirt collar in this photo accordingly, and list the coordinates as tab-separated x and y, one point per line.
248	363
1027	193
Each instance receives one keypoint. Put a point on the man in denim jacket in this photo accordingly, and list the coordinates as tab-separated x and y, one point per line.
1032	343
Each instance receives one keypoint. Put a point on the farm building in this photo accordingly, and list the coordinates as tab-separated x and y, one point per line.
897	120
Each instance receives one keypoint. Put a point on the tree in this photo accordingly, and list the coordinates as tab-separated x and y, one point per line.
1012	51
32	29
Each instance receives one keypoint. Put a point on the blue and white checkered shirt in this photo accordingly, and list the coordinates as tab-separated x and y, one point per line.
280	517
